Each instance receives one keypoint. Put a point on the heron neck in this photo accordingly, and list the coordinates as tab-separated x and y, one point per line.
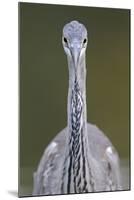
77	91
77	138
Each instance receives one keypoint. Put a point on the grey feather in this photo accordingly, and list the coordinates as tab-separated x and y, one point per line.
80	158
47	178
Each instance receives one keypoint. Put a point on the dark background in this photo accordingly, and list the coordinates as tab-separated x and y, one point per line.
44	78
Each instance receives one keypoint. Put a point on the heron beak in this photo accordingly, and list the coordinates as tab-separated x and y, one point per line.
75	51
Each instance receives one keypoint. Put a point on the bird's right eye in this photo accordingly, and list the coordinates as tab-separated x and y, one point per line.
65	40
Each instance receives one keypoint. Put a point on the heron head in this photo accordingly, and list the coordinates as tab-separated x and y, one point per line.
74	40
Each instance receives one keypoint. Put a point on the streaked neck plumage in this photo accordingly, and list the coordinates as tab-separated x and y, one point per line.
78	166
77	91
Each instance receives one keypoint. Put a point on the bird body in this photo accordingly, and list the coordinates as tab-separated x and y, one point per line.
80	158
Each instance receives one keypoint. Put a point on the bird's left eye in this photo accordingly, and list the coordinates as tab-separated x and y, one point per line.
84	41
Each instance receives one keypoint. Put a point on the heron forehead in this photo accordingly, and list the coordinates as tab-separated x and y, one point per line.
74	31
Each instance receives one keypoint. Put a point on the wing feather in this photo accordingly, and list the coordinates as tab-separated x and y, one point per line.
48	174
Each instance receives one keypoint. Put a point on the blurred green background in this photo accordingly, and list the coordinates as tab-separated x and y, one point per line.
44	78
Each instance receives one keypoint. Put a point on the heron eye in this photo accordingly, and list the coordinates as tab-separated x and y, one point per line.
65	40
84	41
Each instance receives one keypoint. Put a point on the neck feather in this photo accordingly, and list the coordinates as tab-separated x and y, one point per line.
78	163
77	95
76	171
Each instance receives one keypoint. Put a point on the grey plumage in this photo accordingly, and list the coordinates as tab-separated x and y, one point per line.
80	158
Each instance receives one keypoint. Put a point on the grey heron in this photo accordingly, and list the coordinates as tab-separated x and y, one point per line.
80	158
